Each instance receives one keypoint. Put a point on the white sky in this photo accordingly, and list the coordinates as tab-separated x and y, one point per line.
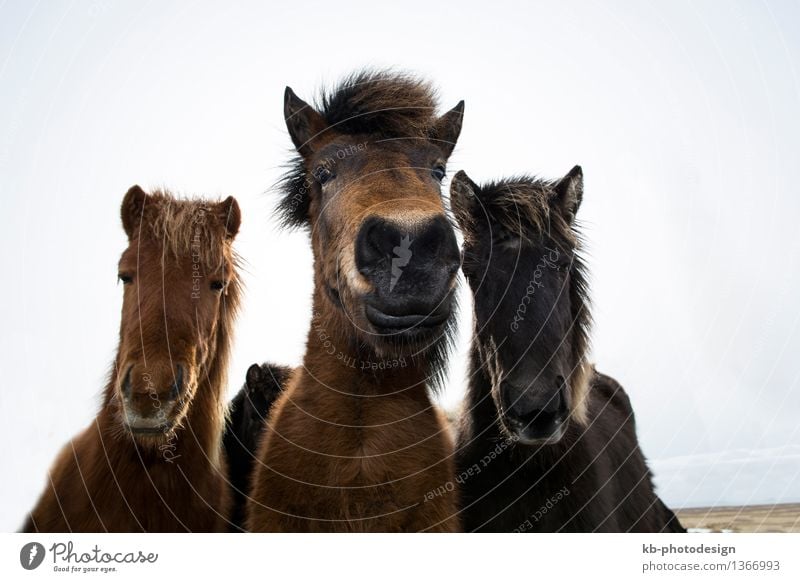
683	115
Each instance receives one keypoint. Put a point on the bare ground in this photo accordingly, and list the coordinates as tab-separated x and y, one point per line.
750	518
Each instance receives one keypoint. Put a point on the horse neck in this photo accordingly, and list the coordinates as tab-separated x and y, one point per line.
336	358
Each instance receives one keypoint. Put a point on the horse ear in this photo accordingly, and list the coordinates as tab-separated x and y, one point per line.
132	209
569	193
463	199
231	216
302	121
447	128
254	377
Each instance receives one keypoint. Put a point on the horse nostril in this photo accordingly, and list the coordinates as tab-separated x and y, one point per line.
441	241
126	383
543	420
376	241
177	386
537	410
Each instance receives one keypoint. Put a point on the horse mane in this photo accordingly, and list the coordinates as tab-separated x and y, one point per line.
523	205
383	104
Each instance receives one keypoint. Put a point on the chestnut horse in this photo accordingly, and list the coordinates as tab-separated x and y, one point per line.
546	443
355	442
152	459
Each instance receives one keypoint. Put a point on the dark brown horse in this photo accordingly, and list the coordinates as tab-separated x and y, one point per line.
152	459
546	443
355	442
247	416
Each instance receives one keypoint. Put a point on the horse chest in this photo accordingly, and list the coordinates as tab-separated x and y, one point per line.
363	472
157	496
542	493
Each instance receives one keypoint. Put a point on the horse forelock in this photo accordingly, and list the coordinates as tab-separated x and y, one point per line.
386	104
188	227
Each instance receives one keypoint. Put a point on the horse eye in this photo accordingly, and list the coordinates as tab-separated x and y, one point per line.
438	172
217	285
126	279
501	235
323	174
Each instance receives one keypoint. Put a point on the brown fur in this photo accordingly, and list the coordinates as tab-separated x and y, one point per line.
348	448
355	461
110	479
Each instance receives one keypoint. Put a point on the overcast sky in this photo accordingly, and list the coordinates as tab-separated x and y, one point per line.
684	116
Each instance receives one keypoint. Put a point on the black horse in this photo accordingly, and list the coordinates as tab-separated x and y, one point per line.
546	443
247	416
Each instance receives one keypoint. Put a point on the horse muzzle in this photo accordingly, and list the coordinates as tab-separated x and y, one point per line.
151	398
411	268
535	416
